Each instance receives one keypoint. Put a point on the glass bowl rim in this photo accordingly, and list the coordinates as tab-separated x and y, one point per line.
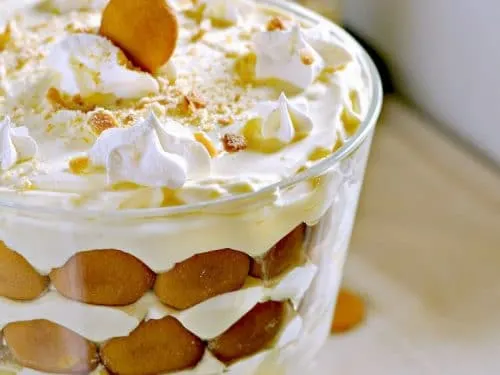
320	167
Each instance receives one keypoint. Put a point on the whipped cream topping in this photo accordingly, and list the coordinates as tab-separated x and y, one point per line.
4	84
325	43
64	6
90	65
283	120
207	320
151	154
15	144
287	56
205	65
228	12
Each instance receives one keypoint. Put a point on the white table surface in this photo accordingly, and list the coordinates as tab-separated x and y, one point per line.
426	255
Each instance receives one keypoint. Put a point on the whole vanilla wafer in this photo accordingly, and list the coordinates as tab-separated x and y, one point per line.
146	30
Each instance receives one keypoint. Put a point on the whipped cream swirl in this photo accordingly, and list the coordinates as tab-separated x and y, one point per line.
328	46
15	144
283	120
287	56
151	154
91	66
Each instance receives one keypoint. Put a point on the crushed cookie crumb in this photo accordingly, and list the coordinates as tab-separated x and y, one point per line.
237	98
232	54
63	101
50	127
21	62
75	29
101	121
130	118
147	101
5	36
275	24
225	121
306	57
221	108
234	142
207	143
191	102
49	39
79	165
197	36
196	12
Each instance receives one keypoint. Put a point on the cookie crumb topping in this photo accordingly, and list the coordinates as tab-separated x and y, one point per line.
234	142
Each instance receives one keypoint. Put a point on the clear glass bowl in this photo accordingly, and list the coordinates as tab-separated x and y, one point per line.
69	308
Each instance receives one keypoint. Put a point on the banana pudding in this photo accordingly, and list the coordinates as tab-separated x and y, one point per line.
144	148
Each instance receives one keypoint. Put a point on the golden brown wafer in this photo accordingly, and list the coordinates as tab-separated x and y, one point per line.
286	254
48	347
146	31
103	277
18	279
155	347
349	312
251	333
201	277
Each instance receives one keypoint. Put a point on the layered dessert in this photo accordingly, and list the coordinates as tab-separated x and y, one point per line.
146	226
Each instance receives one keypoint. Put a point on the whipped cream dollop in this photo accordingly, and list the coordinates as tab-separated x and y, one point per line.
86	65
228	12
16	145
333	52
283	120
151	154
287	56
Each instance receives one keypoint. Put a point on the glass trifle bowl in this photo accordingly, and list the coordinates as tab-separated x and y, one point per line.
149	227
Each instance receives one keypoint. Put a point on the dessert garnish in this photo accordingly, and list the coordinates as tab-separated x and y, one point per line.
90	66
275	23
225	121
280	56
223	12
306	57
5	36
193	101
16	145
102	120
277	123
151	154
234	142
146	31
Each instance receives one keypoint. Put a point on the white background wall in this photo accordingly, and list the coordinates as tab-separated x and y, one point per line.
445	56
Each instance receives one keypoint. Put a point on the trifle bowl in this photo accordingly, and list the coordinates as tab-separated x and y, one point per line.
186	211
